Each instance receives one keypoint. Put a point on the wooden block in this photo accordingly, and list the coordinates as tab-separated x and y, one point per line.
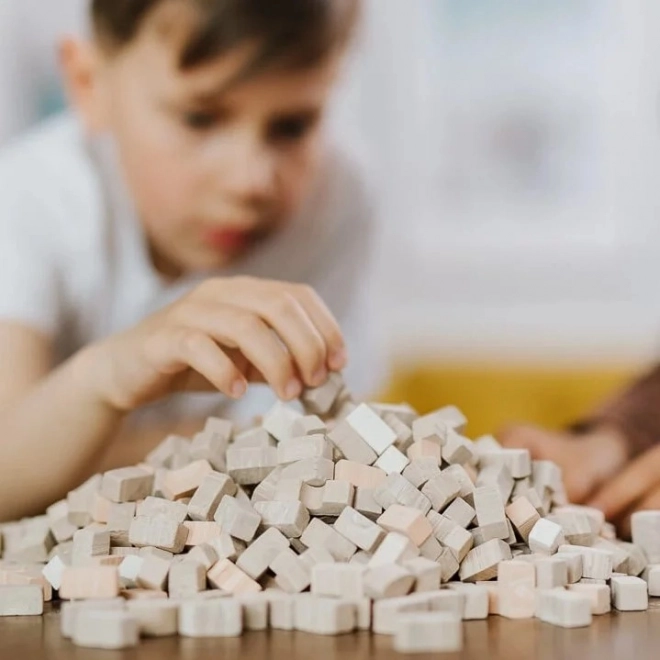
313	556
129	570
211	444
517	582
300	448
402	411
255	438
89	582
371	428
187	578
596	564
308	425
450	535
207	497
127	484
106	629
420	470
153	573
279	420
425	449
351	445
204	554
475	603
89	543
320	535
70	610
387	581
407	521
577	528
282	610
392	461
291	490
324	616
21	600
265	491
427	573
619	553
156	618
441	491
150	551
201	531
573	560
250	465
481	563
428	632
361	476
143	594
460	474
227	576
335	497
431	549
545	537
258	557
652	577
53	570
637	561
290	518
255	611
311	497
460	512
236	520
58	519
320	400
518	461
599	594
312	471
161	532
227	547
386	613
646	533
523	516
430	428
182	483
457	450
490	513
395	548
156	506
359	530
629	594
498	476
551	572
403	432
291	573
398	490
219	617
365	503
338	580
120	517
564	608
163	455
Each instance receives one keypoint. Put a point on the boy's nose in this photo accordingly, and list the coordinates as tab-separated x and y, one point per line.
250	175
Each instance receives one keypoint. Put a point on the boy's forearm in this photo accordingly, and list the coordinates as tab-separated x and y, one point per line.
52	440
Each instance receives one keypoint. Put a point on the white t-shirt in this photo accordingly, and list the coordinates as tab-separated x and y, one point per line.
74	262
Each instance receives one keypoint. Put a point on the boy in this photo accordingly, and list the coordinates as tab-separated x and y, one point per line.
127	237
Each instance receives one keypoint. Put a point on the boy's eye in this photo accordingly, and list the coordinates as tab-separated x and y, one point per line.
291	129
199	121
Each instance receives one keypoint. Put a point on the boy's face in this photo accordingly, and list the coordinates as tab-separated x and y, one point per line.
212	169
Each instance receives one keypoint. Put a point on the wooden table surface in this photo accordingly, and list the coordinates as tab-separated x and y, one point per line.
627	636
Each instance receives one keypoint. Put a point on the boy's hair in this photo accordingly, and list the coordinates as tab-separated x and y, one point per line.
290	33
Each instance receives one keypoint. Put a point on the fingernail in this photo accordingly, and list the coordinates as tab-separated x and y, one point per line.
238	389
319	377
293	389
338	358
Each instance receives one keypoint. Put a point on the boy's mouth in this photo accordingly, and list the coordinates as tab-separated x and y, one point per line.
229	240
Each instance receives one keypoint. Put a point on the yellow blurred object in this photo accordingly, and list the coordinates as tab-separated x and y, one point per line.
492	396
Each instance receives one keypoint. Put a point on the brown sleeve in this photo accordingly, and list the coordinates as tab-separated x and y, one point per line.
635	412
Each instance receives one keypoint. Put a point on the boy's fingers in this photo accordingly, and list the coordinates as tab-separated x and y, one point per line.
650	502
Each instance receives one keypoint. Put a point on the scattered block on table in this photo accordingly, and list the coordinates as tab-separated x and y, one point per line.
89	543
320	400
523	516
629	594
475	600
300	448
255	438
70	610
551	572
491	515
282	609
398	490
407	521
596	516
451	535
127	484
351	445
320	535
156	506
153	573
365	503
159	531
237	520
21	600
290	518
646	533
291	573
460	512
207	497
361	476
258	557
387	612
308	425
545	537
187	578
53	570
517	581
596	564
89	582
427	573
156	618
652	577
106	629
227	576
392	460
457	450
599	594
324	616
620	555
278	421
248	466
312	471
58	519
518	461
371	428
482	563
204	554
428	632
129	570
201	531
562	608
218	617
255	611
420	470
498	476
359	529
338	580
387	581
182	483
576	527
395	548
425	449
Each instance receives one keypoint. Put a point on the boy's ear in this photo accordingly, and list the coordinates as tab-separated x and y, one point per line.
81	66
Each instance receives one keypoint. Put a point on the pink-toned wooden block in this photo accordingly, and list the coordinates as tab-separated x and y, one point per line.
227	576
201	532
517	582
408	521
182	483
425	449
361	476
89	582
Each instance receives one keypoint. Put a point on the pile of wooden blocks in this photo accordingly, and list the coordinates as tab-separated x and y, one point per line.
338	518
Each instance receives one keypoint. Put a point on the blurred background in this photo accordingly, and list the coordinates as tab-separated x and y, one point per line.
514	147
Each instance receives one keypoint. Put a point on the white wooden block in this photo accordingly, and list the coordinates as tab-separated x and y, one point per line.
564	608
53	570
475	604
282	610
407	521
156	506
551	572
265	491
398	490
155	618
292	574
576	527
359	530
517	582
250	465
291	518
573	560
428	632
237	520
21	600
312	471
371	428
70	610
221	617
335	497
207	497
629	594
320	400
646	533
490	513
159	531
427	573
482	563
545	537
338	580
518	461
600	595
457	450
420	470
320	535
279	420
392	460
387	581
652	577
450	535
596	564
351	445
395	548
460	512
255	611
257	558
106	629
187	578
308	425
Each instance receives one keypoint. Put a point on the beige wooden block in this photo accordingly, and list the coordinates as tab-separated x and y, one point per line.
21	600
387	581
320	400
69	611
143	594
150	551
460	474
431	549
250	465
278	421
338	580
359	530
449	564
263	550
324	616
291	490
545	537
425	449
182	483
407	521
211	444
129	570
395	548
163	455
89	582
351	445
403	432
106	629
207	497
300	448
491	515
619	553
227	547
387	612
398	490
427	573
311	497
156	506
577	528
564	608
451	535
201	532
361	476
161	532
187	578
629	594
551	572
127	484
204	554
120	517
441	491
481	563
313	556
282	609
237	520
291	573
153	573
420	470
290	518
475	603
573	559
518	461
371	428
335	497
53	570
157	618
600	595
637	561
320	535
255	611
219	617
429	427
402	411
428	632
308	425
646	533
88	543
227	576
312	471
498	476
392	461
366	504
255	438
58	518
517	582
523	516
457	450
652	577
460	512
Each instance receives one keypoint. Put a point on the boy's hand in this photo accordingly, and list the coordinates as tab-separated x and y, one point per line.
586	461
220	336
